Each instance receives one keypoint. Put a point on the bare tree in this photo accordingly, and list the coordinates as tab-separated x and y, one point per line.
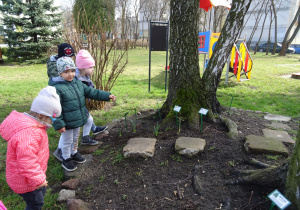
287	41
262	29
269	34
109	61
123	8
137	6
275	18
261	5
220	14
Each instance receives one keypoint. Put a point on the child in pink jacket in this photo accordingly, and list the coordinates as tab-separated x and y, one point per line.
27	147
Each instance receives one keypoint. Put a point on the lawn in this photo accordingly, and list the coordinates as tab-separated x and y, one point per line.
266	91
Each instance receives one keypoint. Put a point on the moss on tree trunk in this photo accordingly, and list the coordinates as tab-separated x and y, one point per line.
292	187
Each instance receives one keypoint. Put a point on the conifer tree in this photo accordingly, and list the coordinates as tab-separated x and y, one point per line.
32	27
92	10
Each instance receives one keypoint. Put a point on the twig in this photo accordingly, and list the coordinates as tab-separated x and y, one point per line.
178	191
258	163
250	198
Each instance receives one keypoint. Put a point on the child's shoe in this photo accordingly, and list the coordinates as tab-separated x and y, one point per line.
78	158
87	140
99	129
68	165
58	154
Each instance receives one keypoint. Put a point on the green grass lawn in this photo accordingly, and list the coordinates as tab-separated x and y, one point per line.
266	91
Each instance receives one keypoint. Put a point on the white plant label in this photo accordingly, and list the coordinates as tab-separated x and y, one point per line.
177	108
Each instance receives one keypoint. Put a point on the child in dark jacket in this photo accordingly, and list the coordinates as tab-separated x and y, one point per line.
72	93
28	147
63	50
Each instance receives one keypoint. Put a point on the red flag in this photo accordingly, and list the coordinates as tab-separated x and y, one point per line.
208	4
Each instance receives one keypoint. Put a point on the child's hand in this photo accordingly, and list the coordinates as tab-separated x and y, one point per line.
112	97
62	130
44	184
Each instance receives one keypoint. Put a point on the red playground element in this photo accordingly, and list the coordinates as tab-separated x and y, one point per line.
168	68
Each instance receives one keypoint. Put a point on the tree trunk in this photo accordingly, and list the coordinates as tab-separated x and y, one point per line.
286	42
275	17
185	87
262	30
269	35
257	20
229	33
293	179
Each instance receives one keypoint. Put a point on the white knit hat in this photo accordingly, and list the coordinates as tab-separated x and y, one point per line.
47	102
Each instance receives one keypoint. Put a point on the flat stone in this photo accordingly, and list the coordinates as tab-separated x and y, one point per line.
278	126
188	146
282	136
264	145
112	124
70	184
77	204
101	135
258	112
277	117
64	195
140	147
233	109
296	75
81	168
87	149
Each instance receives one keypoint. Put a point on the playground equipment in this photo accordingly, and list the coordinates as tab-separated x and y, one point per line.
240	62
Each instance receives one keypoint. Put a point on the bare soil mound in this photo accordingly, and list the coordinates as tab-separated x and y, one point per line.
112	182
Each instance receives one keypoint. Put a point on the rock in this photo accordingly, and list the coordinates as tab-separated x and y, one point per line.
197	184
140	147
296	75
258	112
282	136
263	145
278	126
232	127
101	136
277	117
188	146
70	184
77	204
81	168
87	149
112	124
64	195
233	109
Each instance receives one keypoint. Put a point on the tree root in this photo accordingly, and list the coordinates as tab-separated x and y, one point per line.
232	127
271	176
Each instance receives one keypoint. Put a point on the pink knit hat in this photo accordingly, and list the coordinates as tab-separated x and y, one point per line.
84	60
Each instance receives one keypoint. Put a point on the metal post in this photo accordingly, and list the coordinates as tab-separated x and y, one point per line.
167	49
149	55
227	70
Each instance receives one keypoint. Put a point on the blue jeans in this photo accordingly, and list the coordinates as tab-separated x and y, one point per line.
34	199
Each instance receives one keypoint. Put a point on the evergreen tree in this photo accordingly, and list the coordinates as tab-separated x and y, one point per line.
91	11
32	27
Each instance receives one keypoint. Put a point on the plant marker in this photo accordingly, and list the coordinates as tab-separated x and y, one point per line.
177	109
279	200
230	103
201	112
